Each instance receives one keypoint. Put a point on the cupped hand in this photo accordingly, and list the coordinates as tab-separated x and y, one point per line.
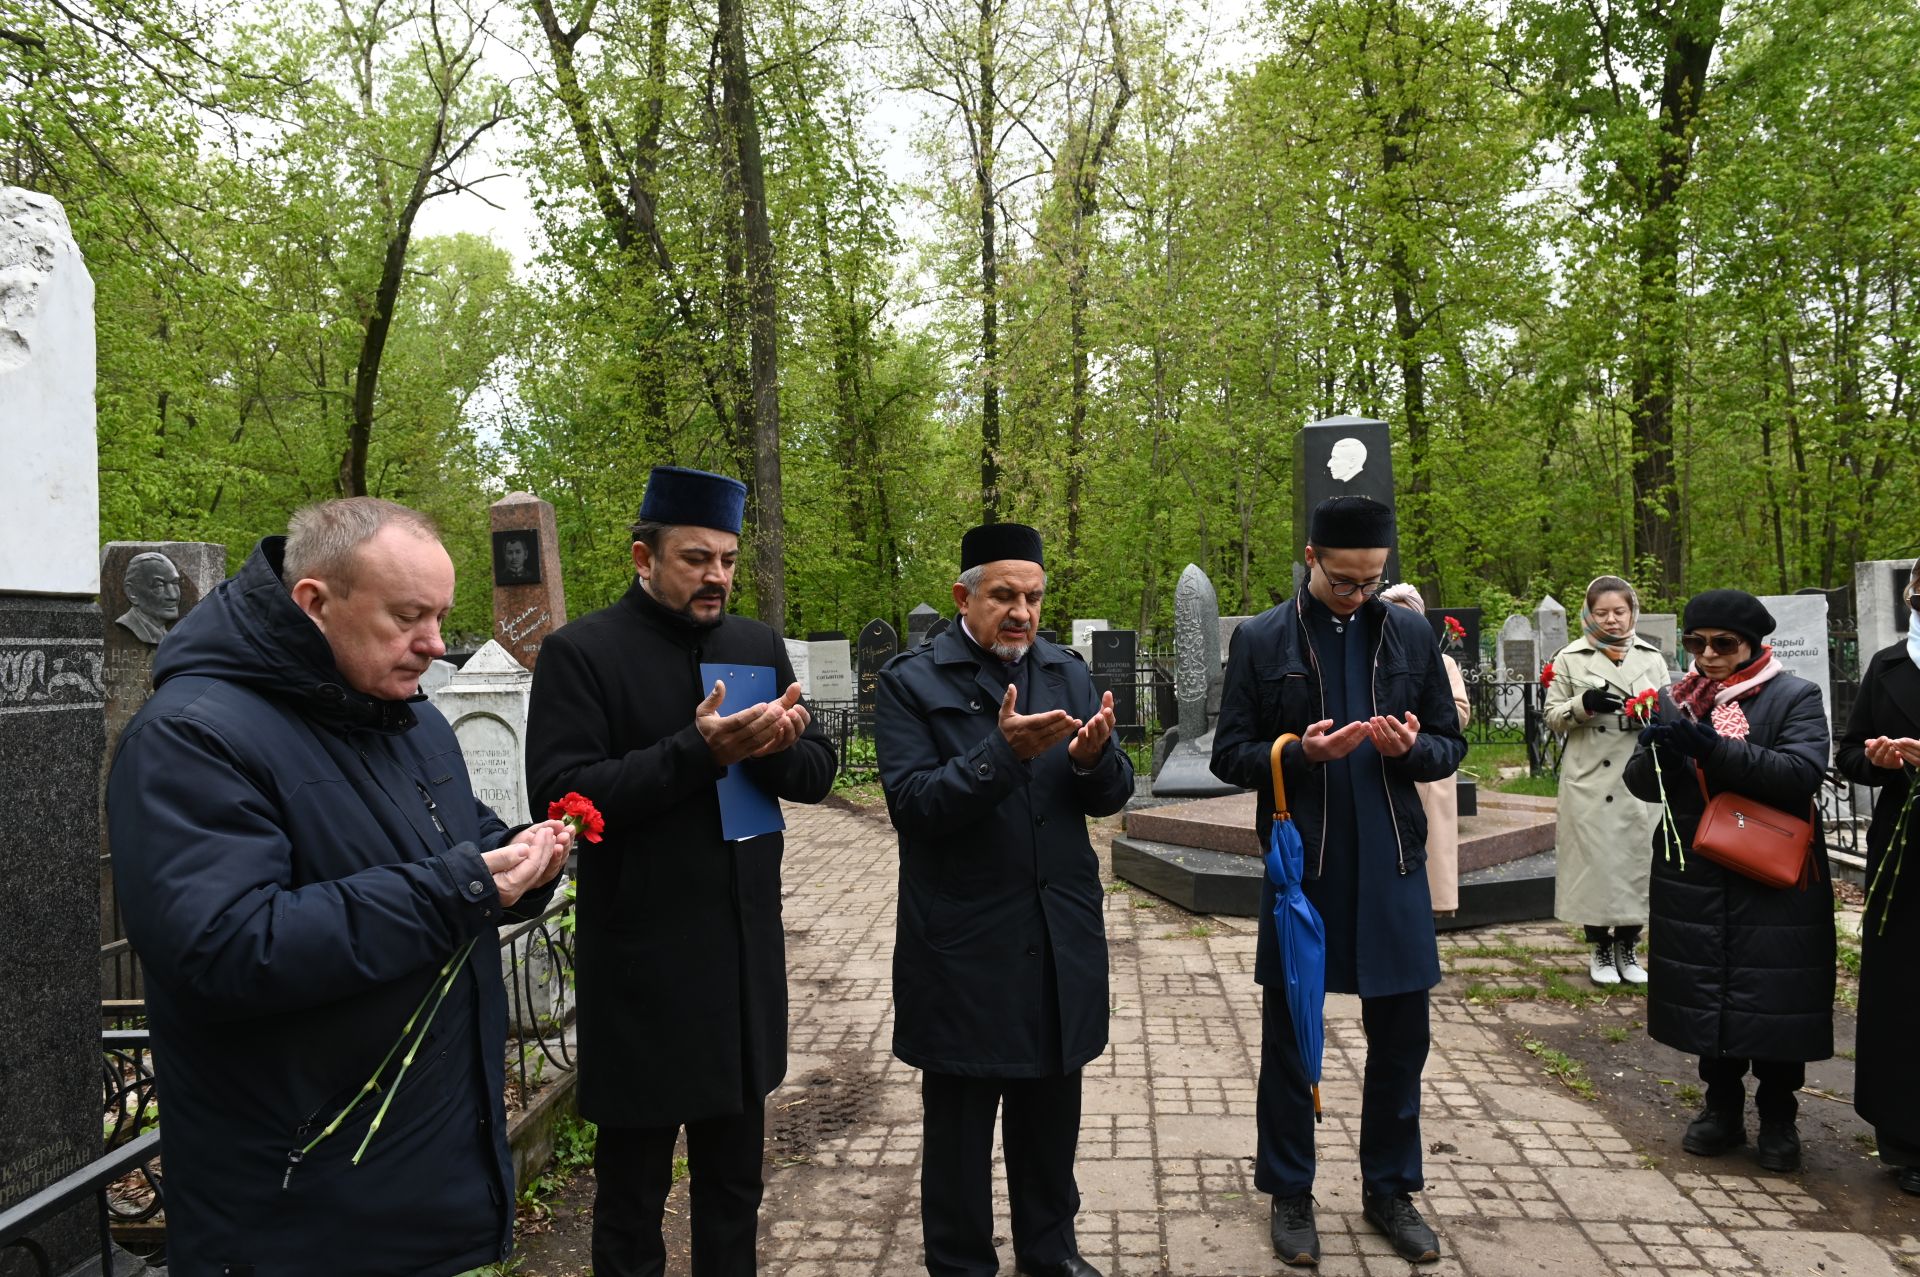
1393	737
732	737
1032	735
1322	746
1092	739
522	864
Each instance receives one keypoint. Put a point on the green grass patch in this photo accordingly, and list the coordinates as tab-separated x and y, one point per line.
1562	1067
1614	1033
1537	786
1501	993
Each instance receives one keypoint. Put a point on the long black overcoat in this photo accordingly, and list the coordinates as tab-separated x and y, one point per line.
994	864
1888	1039
295	862
1273	688
679	954
1738	968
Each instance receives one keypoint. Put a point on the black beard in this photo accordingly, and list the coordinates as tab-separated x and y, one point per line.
683	616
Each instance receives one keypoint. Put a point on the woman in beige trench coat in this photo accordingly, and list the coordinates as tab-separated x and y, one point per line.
1602	858
1439	798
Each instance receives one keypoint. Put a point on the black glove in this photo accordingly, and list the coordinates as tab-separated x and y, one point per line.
1654	735
1602	700
1694	738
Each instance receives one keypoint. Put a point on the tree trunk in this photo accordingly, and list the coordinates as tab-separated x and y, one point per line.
1691	36
986	194
769	541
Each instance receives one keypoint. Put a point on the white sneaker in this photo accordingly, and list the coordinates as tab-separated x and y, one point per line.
1601	968
1626	960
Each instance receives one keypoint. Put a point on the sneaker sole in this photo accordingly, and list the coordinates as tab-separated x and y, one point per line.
1424	1256
1305	1259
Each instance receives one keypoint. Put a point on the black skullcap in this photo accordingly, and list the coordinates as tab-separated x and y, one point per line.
992	542
694	498
1351	523
1734	610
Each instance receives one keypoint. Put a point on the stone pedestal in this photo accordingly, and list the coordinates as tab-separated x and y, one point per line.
52	738
529	601
485	701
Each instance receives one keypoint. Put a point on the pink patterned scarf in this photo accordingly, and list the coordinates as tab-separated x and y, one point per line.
1717	699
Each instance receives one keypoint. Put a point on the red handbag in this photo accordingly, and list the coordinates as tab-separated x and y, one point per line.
1752	839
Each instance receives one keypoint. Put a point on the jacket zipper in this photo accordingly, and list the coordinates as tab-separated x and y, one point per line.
433	811
1320	685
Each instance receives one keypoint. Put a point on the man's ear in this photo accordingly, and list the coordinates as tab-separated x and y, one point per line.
643	558
311	597
960	596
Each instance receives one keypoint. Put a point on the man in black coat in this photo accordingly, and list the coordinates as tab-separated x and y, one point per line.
298	852
1363	687
681	962
993	752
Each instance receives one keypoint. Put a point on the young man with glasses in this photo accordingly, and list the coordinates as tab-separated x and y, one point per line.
1362	685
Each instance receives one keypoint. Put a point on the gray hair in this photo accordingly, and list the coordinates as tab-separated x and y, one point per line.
323	539
970	579
140	560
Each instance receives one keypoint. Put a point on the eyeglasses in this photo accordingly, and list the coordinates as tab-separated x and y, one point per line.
1722	644
1913	600
1345	589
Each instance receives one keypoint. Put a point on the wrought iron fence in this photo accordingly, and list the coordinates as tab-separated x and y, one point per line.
1511	711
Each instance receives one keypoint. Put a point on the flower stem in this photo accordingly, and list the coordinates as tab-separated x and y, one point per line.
1666	811
448	974
1896	849
373	1083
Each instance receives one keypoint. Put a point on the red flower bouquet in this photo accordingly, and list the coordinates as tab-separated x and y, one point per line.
1456	632
579	814
1546	674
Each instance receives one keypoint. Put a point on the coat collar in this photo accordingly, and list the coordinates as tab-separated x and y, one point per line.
1585	644
1044	682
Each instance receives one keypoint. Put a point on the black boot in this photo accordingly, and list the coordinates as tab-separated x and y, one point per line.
1395	1215
1715	1131
1778	1148
1909	1181
1295	1239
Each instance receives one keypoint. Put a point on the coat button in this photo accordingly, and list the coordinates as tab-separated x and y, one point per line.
984	770
1043	884
1033	951
973	705
1039	820
476	889
1606	762
1609	797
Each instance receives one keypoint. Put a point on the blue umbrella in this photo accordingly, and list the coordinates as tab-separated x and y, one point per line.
1303	936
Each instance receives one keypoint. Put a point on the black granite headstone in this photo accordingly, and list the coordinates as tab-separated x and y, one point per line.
919	621
1051	636
52	736
1339	457
1112	667
940	626
1466	650
876	646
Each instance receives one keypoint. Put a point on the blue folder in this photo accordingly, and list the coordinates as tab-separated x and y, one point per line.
746	810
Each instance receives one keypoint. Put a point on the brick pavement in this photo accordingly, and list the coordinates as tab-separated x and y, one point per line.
1527	1178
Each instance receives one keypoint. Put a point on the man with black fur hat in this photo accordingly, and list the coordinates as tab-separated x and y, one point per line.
1361	684
993	752
680	958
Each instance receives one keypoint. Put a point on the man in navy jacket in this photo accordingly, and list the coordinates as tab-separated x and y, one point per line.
993	752
1362	685
298	853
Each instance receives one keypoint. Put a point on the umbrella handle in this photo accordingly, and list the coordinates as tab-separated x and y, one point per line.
1280	811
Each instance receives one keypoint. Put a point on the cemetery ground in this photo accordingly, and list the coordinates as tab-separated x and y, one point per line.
1552	1122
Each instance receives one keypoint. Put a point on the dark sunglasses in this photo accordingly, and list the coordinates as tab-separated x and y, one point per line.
1913	600
1723	644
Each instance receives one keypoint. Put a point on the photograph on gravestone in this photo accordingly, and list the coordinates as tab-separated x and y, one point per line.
1112	667
529	597
878	644
516	557
1341	456
1082	631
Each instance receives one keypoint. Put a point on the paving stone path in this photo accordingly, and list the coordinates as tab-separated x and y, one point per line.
1523	1177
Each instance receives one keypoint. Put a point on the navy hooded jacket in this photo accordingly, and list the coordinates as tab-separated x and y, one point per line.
295	862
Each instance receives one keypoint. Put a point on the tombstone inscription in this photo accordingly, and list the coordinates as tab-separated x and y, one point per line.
529	599
878	644
1112	667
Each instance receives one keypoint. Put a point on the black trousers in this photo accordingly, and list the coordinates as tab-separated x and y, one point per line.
1039	1130
634	1170
1390	1154
1773	1099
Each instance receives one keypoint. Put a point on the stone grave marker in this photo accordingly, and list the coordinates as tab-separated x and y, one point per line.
485	701
920	624
825	636
1550	627
1051	636
52	720
1519	662
1083	631
529	600
1799	641
941	624
1228	624
1336	457
1112	667
1467	650
1662	629
438	672
1880	604
877	645
800	656
1184	756
832	663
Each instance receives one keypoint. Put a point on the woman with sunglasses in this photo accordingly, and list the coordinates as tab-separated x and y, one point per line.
1600	873
1881	747
1741	973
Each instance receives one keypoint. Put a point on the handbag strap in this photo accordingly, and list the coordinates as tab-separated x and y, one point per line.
1280	811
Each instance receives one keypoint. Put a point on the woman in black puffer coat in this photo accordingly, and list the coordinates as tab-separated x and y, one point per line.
1742	974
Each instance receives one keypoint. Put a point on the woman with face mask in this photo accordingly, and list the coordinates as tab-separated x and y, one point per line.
1881	747
1601	868
1740	973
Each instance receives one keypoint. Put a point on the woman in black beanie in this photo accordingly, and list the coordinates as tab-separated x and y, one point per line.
1741	974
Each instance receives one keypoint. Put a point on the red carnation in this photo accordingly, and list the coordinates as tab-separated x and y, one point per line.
1546	674
1644	706
1457	630
579	812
